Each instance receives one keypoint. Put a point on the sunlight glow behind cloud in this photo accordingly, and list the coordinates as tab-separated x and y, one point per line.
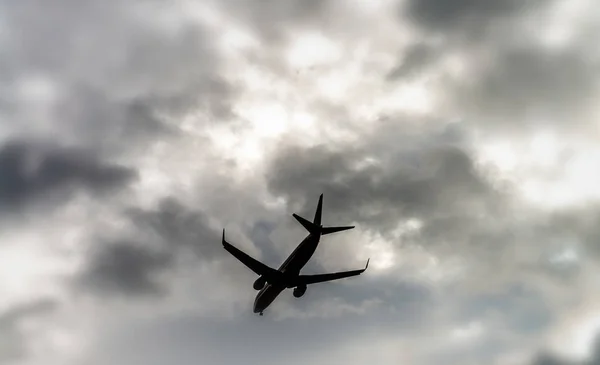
312	49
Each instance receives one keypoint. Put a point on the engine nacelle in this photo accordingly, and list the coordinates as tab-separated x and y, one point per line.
299	291
259	283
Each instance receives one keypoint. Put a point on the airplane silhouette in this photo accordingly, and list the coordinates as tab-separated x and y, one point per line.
272	282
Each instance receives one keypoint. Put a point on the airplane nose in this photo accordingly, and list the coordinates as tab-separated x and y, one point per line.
256	308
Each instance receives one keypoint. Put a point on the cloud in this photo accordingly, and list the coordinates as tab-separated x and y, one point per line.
414	59
534	85
179	226
547	358
309	323
273	20
134	264
382	187
14	339
115	77
124	268
508	252
504	66
32	171
469	18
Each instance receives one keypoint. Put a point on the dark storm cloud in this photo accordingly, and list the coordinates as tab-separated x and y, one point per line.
12	339
466	17
163	234
179	226
125	268
416	57
548	85
420	182
31	171
274	20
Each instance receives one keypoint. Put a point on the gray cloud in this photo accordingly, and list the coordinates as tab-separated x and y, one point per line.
179	226
414	59
520	308
93	117
317	333
469	18
547	358
108	80
135	264
114	77
124	268
512	78
31	171
525	82
273	20
414	182
172	235
12	338
511	279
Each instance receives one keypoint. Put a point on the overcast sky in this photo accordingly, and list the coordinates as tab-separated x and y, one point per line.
461	137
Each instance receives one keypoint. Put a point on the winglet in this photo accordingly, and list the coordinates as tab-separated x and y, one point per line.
223	239
367	265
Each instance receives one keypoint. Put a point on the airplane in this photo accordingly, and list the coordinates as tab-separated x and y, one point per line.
271	282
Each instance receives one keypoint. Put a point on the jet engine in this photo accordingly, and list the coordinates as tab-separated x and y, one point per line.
299	291
259	283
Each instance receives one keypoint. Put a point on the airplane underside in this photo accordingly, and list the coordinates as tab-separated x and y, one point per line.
271	282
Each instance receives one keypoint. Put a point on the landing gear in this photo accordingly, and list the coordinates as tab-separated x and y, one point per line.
260	314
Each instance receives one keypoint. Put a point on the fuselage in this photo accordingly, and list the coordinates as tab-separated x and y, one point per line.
290	269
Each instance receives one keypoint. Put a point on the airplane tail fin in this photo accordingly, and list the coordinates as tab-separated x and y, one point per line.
315	226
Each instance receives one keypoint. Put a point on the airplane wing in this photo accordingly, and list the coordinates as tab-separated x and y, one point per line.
319	278
258	267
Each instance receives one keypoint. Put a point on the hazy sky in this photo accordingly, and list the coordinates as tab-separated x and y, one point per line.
461	137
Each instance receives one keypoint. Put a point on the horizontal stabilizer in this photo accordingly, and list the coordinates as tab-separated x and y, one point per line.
258	267
328	230
310	226
320	278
